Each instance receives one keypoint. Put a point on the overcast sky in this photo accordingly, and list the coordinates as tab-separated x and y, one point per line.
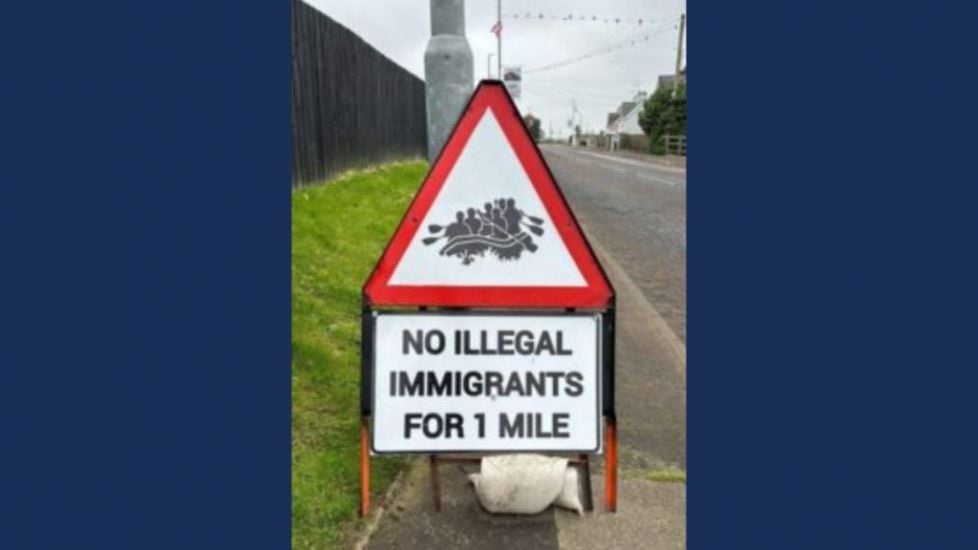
400	30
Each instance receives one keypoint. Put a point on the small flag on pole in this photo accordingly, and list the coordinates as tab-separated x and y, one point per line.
497	28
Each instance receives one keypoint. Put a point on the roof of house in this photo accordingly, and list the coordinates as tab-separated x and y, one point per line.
624	110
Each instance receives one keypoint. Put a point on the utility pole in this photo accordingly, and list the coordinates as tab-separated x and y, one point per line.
576	128
489	65
499	39
448	71
679	54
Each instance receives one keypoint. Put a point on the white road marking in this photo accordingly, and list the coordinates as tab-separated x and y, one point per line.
653	178
646	165
633	162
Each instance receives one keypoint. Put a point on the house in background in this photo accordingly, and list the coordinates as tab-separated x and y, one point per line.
668	80
623	129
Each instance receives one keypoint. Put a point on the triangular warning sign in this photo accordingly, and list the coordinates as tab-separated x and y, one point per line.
489	226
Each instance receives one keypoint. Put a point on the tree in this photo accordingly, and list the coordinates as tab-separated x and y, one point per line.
663	115
533	125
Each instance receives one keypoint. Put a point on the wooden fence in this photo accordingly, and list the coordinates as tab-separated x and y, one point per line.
635	142
351	106
675	145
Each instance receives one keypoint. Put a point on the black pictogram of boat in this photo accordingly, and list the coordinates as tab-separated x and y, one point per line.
500	229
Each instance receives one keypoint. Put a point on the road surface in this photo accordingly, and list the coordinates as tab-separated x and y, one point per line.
634	213
637	210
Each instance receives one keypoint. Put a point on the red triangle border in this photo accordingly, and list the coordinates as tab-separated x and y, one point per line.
598	292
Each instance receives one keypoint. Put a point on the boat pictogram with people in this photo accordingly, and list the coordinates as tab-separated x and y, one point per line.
500	228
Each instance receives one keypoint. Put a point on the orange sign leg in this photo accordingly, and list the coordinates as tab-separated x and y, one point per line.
364	468
611	465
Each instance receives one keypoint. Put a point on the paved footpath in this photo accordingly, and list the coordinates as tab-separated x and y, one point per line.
634	214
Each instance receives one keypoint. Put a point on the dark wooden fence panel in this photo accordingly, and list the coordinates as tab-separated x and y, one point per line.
351	106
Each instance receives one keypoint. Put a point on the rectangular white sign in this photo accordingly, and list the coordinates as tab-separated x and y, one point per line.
486	383
513	79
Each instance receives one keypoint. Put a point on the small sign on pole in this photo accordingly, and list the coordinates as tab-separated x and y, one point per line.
513	78
510	347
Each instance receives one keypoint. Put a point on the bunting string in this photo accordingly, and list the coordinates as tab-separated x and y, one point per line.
642	38
583	18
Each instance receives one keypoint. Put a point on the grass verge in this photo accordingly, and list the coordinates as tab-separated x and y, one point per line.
338	232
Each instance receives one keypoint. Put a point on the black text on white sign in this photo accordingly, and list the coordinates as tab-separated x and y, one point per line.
487	383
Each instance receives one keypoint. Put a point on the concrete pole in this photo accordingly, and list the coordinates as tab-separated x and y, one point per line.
448	72
679	54
499	40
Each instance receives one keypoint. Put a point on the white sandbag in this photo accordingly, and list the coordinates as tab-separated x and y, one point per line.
569	496
519	484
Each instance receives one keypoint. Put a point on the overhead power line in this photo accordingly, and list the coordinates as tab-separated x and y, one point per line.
544	97
604	95
626	43
539	90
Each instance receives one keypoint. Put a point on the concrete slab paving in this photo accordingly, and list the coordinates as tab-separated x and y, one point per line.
651	515
411	521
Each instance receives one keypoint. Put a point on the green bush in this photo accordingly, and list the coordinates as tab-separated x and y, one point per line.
663	115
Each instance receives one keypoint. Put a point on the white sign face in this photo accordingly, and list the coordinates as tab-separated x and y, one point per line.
513	79
486	383
486	171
